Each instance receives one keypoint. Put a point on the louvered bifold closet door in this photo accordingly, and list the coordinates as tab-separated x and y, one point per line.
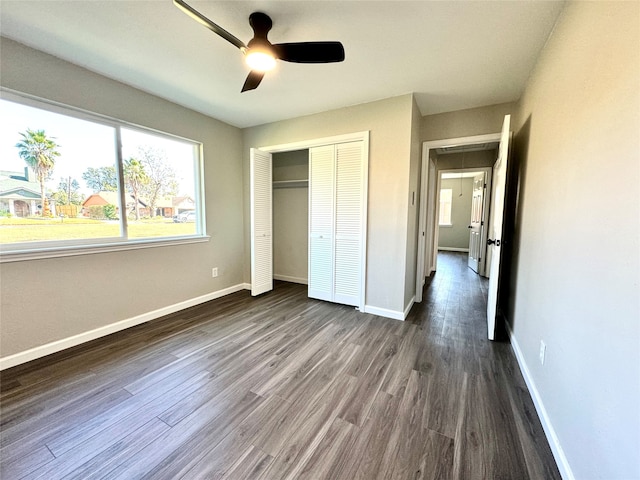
261	218
348	223
321	222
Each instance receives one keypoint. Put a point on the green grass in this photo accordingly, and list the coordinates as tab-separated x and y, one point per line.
15	230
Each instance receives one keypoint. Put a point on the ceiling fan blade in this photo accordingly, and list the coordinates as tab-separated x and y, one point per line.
253	80
310	52
217	29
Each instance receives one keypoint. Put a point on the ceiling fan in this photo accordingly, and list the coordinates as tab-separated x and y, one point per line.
260	53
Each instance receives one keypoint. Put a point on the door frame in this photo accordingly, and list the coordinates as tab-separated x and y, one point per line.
427	248
332	140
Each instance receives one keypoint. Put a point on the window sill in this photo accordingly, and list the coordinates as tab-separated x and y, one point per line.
446	225
70	251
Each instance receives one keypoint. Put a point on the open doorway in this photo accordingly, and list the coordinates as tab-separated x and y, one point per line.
463	212
430	200
455	156
291	215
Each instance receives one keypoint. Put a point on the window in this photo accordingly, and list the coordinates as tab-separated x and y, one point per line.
446	195
65	184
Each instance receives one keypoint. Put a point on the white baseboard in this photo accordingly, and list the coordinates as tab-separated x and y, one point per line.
384	312
59	345
453	249
408	308
288	278
549	431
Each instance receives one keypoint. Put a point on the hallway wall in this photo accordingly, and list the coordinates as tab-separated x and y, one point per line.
574	268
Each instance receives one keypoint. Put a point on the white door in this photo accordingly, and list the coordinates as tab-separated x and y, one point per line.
261	222
321	222
475	224
348	222
495	224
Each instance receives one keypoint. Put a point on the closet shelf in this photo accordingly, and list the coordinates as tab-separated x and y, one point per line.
290	183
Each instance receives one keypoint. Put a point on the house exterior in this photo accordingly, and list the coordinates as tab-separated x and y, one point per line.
183	204
100	199
166	206
20	193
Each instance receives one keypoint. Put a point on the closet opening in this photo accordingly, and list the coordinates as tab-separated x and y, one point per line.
290	174
309	216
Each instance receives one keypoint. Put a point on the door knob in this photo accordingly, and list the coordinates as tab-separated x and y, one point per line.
469	226
491	242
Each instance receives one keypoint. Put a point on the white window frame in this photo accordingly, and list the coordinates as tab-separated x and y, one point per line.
12	252
442	204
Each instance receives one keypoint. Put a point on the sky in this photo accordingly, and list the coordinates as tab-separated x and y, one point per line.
84	144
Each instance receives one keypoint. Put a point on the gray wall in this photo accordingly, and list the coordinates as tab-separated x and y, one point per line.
575	268
291	217
389	122
101	289
457	235
413	210
465	123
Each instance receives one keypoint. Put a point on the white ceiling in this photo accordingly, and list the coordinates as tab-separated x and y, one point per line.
452	54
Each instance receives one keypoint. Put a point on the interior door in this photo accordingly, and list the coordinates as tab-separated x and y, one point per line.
321	222
348	223
496	225
261	222
475	224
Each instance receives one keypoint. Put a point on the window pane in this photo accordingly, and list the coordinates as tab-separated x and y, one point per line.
160	184
446	195
57	177
61	172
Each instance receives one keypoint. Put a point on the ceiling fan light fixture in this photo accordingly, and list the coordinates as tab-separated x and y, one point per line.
260	60
260	54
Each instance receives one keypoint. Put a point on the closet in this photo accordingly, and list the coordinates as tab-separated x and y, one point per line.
290	175
336	226
333	177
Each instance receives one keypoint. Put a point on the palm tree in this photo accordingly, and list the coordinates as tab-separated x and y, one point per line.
39	151
135	178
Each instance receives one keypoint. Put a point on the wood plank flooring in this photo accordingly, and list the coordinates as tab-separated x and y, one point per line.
282	387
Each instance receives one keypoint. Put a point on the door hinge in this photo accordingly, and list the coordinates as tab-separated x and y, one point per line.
482	223
485	185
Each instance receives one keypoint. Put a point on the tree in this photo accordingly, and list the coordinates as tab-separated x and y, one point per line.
68	192
135	179
102	179
161	177
39	152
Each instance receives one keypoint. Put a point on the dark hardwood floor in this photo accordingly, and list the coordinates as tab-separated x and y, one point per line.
282	386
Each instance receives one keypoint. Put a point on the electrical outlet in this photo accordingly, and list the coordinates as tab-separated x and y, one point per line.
214	272
543	351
